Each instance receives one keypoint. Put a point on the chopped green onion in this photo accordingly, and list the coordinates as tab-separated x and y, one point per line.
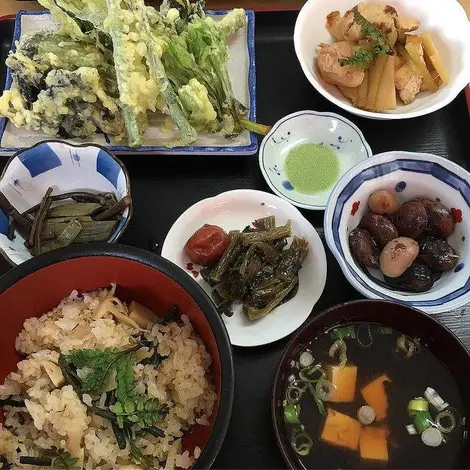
294	393
344	332
306	359
443	416
312	374
291	413
435	399
382	330
318	401
339	346
409	347
422	421
301	442
416	405
411	430
432	437
367	336
366	415
325	389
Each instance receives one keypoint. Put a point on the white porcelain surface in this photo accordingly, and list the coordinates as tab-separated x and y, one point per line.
65	168
235	210
327	129
411	175
447	22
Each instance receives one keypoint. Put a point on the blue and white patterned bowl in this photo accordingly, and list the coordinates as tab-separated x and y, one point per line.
64	167
410	175
326	129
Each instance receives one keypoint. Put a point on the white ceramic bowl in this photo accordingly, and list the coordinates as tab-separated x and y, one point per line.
410	175
65	168
235	210
327	129
446	20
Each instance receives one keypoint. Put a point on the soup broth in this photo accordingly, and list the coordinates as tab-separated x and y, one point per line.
321	419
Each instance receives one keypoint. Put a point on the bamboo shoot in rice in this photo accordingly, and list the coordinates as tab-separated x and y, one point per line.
386	94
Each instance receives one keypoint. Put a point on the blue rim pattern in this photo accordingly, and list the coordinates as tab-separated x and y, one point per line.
318	114
246	149
416	166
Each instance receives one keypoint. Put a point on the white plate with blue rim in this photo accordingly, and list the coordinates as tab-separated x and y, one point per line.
242	71
307	152
65	168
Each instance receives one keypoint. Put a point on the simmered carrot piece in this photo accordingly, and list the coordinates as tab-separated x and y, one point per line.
345	382
341	430
375	396
373	443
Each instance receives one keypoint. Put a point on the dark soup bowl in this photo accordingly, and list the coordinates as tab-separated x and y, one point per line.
38	285
373	384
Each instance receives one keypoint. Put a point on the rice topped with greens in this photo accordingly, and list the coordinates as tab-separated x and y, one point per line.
105	385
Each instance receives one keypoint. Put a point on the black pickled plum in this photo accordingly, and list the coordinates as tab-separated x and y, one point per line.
440	221
438	254
363	248
411	219
381	229
417	278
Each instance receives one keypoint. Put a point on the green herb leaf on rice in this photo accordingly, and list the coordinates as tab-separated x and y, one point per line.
65	461
125	378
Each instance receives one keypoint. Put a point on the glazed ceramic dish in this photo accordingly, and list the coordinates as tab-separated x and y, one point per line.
64	167
241	67
409	175
325	129
140	276
447	21
234	210
454	356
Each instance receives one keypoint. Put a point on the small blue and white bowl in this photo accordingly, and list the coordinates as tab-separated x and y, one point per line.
410	175
326	129
65	168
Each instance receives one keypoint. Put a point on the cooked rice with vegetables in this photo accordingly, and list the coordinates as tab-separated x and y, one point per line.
105	385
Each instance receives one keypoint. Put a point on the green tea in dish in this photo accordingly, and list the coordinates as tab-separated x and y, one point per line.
362	395
311	168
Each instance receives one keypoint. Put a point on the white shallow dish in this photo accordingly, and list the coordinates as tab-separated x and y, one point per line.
241	67
410	175
65	168
447	22
235	210
327	129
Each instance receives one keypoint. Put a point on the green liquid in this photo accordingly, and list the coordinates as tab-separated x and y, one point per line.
311	168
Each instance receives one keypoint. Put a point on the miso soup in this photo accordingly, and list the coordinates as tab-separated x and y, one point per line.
367	396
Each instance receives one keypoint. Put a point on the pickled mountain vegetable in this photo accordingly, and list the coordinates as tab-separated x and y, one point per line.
256	268
407	241
60	220
362	413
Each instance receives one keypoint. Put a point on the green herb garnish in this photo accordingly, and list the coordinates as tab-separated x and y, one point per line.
65	461
371	32
363	57
138	410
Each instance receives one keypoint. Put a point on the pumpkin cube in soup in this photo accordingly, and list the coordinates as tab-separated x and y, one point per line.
344	380
341	430
373	443
375	396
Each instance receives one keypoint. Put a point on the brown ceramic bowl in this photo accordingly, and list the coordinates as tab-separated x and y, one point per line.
439	340
38	285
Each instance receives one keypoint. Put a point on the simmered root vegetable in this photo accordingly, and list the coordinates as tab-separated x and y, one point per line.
375	396
341	430
373	443
374	48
